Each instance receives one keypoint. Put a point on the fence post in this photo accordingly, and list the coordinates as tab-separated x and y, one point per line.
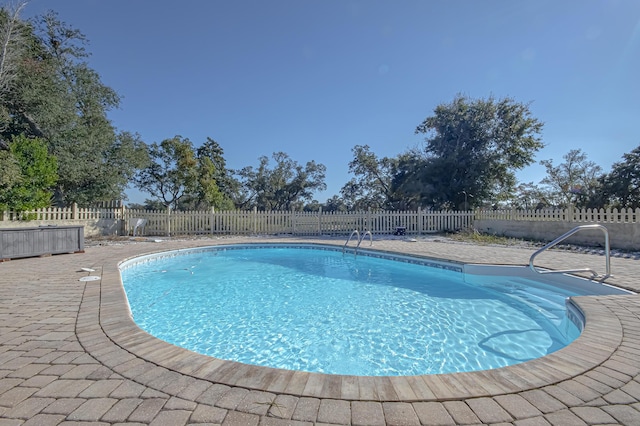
74	211
320	222
569	211
118	218
255	220
213	218
168	220
293	220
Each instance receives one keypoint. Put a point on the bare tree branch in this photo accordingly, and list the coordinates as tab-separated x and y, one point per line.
11	46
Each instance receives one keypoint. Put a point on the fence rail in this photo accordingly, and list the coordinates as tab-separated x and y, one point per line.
237	222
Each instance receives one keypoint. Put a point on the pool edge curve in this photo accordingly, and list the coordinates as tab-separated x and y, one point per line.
589	350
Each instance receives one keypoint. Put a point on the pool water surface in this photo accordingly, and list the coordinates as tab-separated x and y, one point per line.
319	310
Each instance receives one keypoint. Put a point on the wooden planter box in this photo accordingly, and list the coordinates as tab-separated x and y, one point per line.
40	241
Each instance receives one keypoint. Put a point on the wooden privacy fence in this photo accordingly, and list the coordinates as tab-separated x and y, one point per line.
239	222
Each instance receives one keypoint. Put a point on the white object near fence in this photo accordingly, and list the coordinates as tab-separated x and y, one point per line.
136	224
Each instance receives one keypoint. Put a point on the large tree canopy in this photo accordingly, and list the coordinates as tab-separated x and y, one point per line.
216	186
621	187
182	177
372	185
575	181
284	187
172	172
382	183
473	148
48	91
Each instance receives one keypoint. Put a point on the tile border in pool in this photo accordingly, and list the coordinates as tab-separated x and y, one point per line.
601	335
416	260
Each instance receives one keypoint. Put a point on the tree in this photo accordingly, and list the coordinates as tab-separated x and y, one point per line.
38	101
11	174
529	196
371	186
16	37
216	186
440	186
148	205
474	147
12	47
172	172
335	204
312	206
87	146
50	92
284	187
383	183
36	171
409	189
621	187
185	178
573	182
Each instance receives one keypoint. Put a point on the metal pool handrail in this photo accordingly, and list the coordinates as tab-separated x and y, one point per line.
566	235
358	239
363	237
355	232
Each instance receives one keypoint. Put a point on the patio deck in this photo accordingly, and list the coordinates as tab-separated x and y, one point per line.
70	354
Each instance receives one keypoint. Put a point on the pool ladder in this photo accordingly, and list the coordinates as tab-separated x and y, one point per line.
359	239
566	235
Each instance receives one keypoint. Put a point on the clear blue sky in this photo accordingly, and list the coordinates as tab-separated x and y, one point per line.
315	78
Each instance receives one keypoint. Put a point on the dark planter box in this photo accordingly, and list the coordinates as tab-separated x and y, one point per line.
41	241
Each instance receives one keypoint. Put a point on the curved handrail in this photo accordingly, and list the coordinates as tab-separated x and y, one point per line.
566	235
355	232
363	237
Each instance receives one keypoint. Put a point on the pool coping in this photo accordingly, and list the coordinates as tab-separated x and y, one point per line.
602	335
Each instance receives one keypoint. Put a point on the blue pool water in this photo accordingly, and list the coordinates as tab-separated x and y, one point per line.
324	311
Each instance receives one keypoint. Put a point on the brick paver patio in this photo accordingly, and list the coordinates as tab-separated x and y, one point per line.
70	355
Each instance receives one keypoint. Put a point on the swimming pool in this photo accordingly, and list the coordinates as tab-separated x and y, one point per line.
372	314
